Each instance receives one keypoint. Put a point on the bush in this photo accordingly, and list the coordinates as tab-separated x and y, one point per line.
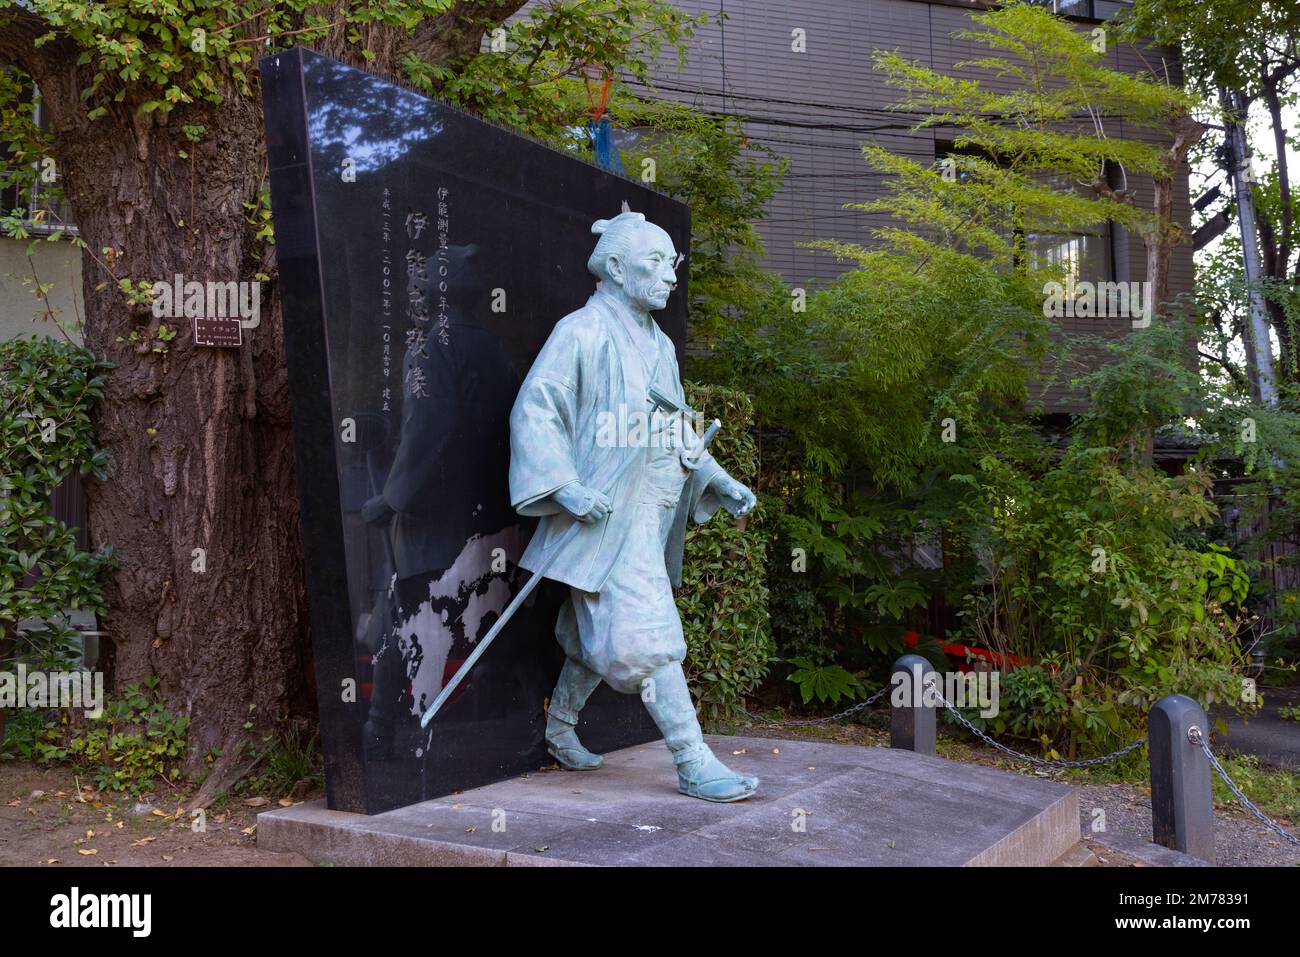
723	598
135	743
47	389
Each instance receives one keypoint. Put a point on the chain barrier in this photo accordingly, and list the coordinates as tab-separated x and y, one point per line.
798	722
1040	762
1197	738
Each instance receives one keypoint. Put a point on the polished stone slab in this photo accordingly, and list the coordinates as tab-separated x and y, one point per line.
858	806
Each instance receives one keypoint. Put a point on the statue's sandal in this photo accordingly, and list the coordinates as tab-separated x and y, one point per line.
710	780
573	758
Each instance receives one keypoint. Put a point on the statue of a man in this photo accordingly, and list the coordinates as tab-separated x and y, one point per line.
569	443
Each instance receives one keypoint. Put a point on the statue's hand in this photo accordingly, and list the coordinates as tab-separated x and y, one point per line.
736	496
585	504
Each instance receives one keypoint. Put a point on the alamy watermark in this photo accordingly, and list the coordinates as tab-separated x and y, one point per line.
21	688
1098	300
968	689
636	429
208	300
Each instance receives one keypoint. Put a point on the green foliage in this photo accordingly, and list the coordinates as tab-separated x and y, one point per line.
47	389
901	458
1100	568
292	756
133	746
723	598
825	683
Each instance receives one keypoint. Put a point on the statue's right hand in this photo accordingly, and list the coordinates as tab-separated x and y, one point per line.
585	504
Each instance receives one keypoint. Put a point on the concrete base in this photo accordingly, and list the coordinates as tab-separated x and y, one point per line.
818	804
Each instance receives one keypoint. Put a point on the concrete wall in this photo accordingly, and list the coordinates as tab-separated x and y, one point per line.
57	264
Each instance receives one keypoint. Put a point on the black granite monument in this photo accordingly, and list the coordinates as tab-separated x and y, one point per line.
424	256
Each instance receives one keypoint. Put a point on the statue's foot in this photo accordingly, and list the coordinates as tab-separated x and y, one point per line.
568	751
707	778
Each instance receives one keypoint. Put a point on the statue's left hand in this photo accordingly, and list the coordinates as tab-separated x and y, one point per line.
736	496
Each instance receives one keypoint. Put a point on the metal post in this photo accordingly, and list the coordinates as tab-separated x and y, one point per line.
911	722
1182	812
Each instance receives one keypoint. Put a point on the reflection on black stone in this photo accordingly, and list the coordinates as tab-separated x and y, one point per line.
443	510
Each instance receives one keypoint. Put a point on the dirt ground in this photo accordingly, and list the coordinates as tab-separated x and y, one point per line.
48	817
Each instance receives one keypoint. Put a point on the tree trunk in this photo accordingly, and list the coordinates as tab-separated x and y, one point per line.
202	454
1160	241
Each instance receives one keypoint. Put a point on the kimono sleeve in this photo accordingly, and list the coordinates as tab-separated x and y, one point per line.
543	427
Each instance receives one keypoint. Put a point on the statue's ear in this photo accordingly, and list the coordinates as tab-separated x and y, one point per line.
614	268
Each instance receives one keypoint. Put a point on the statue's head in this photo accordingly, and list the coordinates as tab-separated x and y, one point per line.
636	256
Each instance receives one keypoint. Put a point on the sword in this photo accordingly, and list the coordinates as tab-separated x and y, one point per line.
533	582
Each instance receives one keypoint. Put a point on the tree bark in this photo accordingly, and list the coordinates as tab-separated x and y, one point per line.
1160	241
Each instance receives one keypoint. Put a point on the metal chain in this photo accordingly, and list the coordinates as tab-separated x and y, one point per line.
1041	762
835	717
1198	738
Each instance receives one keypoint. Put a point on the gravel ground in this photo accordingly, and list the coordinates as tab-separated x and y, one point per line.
1240	840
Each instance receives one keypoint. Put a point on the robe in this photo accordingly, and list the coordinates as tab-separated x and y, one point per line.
591	365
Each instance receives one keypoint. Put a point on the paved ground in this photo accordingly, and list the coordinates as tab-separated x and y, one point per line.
818	804
1270	737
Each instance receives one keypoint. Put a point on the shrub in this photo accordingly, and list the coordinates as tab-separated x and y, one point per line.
47	388
723	598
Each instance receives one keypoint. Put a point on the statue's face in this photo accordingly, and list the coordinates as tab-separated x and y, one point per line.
648	275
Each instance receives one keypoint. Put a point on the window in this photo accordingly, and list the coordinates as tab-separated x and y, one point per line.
1084	255
1088	9
46	211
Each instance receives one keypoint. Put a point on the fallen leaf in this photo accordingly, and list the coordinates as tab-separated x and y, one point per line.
256	802
143	841
285	802
52	860
89	834
157	813
542	849
17	802
87	851
471	829
120	824
249	830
